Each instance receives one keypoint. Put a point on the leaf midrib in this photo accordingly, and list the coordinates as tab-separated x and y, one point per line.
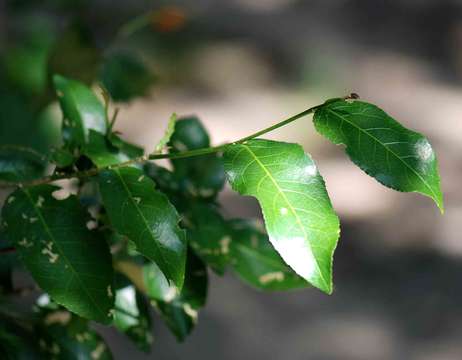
56	243
388	149
299	223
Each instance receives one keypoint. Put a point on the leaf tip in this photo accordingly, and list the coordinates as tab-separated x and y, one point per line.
440	203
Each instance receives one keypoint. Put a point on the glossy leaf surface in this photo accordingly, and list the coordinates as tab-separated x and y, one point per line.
397	157
67	260
299	218
256	262
81	109
143	214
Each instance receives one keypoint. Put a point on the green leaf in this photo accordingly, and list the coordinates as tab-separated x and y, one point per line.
200	176
395	156
143	214
125	77
301	224
168	133
180	310
20	164
257	263
63	335
132	316
101	152
81	109
62	157
164	178
67	260
209	236
156	284
131	150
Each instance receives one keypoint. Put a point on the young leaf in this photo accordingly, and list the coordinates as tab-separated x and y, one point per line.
395	156
67	260
168	133
200	176
146	217
180	310
256	262
81	109
209	236
301	224
19	164
132	316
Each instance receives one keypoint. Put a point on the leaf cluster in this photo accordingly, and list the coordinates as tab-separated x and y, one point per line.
128	237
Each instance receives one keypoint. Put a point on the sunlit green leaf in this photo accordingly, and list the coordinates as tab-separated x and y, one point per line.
81	109
301	224
397	157
143	214
256	262
67	260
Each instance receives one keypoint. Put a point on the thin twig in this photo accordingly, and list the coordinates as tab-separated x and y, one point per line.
158	156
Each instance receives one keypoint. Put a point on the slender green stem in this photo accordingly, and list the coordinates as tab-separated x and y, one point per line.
219	148
158	156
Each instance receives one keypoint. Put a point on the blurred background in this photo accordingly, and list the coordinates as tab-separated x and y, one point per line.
241	65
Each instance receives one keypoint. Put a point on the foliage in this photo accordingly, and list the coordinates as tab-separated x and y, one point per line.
123	237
